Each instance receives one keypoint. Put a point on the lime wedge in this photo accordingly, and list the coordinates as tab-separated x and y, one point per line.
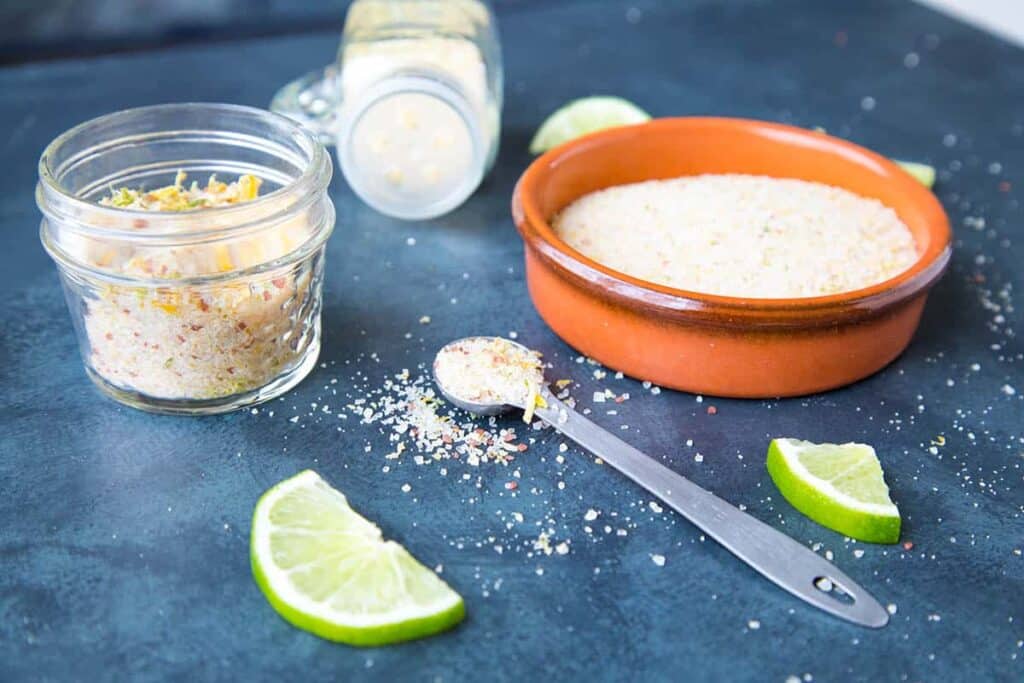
839	486
327	570
583	116
923	173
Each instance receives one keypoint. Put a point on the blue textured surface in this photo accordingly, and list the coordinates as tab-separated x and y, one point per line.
124	536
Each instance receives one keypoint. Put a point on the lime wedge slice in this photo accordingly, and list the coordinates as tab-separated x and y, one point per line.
839	486
583	116
923	173
327	570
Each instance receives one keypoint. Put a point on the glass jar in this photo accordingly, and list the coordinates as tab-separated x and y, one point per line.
413	103
200	311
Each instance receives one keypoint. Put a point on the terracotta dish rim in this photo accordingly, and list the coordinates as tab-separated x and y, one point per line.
731	311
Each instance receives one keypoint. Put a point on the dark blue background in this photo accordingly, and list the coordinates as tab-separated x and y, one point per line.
124	536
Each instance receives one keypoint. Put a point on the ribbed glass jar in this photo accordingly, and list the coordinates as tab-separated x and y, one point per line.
199	311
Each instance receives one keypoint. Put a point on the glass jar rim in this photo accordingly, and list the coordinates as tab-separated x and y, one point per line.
57	203
432	83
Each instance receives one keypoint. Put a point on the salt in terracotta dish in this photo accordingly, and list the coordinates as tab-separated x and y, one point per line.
720	345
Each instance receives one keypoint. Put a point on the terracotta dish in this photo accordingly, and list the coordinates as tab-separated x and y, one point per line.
719	345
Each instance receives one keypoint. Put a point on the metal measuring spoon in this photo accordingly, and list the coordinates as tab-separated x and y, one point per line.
775	555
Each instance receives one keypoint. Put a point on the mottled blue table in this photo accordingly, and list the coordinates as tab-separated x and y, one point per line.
124	536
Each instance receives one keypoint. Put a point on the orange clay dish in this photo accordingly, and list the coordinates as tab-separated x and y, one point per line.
713	344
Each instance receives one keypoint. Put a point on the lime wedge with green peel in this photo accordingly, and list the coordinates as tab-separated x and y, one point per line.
923	173
839	486
328	570
583	116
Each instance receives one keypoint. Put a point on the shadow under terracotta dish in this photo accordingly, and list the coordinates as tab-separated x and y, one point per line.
720	345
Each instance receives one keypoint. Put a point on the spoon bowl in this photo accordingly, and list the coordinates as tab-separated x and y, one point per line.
475	407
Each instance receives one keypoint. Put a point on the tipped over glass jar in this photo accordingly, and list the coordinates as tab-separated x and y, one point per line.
190	243
413	103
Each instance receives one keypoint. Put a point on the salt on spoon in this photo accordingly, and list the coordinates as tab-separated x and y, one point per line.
492	375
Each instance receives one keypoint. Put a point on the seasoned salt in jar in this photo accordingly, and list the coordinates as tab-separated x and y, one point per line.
413	103
213	305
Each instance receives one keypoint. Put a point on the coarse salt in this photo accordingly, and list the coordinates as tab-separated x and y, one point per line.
740	235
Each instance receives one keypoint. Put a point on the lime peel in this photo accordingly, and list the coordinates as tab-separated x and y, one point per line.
922	173
328	570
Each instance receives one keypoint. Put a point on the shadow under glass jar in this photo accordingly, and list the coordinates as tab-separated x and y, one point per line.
201	311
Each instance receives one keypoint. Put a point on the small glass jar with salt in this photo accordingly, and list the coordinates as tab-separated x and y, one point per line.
412	103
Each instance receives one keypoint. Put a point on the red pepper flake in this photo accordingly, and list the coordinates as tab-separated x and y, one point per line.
620	399
140	223
908	545
278	282
511	485
195	328
521	447
266	295
712	410
203	306
1004	186
109	336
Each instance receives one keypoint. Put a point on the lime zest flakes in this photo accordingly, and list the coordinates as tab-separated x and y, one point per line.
177	197
533	401
123	197
248	187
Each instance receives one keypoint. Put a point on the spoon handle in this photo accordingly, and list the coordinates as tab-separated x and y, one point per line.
775	555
